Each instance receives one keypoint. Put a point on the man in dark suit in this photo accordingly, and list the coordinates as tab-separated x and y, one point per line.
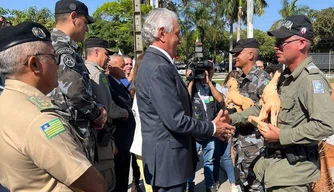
165	108
125	128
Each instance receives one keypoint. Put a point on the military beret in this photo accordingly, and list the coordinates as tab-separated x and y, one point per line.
22	33
294	25
68	6
97	42
245	43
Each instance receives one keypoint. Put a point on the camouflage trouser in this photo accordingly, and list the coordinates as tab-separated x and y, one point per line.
247	153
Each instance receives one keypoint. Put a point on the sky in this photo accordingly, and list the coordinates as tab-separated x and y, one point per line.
263	23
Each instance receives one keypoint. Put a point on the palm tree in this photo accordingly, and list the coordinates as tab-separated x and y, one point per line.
232	12
288	9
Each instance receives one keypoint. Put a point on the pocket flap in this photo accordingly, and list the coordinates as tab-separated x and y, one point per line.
287	103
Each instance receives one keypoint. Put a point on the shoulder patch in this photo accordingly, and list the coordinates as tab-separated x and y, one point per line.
68	60
266	82
40	103
53	128
318	87
65	50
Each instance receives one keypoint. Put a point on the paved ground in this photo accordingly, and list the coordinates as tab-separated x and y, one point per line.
199	181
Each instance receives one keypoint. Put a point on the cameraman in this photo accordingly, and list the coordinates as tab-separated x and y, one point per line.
206	103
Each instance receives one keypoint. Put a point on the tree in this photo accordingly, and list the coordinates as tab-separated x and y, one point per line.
114	23
289	9
323	27
231	10
43	16
203	20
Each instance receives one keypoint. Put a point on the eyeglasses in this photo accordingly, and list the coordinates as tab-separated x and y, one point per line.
54	56
281	42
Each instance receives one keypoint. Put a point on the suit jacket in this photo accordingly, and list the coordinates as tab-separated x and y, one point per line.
125	129
167	126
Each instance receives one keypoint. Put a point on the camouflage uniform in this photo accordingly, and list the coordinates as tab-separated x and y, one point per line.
249	141
74	93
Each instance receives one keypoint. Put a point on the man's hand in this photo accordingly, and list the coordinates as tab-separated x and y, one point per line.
272	134
101	120
207	79
223	129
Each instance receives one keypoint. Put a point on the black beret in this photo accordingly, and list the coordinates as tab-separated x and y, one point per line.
245	43
68	6
97	42
294	25
22	33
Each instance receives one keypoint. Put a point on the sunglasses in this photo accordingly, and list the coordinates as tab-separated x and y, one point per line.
282	42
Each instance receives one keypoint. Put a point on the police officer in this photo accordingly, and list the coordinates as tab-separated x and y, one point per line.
251	85
40	152
290	159
97	58
74	93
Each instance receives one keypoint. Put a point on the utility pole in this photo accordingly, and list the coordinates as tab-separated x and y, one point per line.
239	19
138	40
250	12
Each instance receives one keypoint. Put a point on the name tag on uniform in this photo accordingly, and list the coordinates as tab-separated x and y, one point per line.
318	87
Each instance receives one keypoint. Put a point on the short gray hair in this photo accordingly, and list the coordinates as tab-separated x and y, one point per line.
113	58
12	59
157	18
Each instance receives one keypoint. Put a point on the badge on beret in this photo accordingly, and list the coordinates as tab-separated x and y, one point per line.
72	7
318	86
303	30
38	32
53	128
68	60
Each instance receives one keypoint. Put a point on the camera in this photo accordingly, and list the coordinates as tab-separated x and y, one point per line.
198	68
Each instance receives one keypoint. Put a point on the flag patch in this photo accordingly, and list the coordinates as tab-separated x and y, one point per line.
53	128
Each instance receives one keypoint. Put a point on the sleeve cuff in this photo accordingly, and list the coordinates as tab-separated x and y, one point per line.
285	136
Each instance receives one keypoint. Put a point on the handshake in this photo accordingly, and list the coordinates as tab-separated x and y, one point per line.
224	130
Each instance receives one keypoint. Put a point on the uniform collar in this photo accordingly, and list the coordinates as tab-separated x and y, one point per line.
251	73
301	67
19	86
94	64
58	35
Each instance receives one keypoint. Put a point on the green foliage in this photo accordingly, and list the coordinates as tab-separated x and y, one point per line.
266	42
291	8
114	23
42	16
324	30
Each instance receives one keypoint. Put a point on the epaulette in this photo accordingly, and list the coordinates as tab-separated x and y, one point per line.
41	103
312	69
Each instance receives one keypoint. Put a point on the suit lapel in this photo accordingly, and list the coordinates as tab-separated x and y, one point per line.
120	88
156	51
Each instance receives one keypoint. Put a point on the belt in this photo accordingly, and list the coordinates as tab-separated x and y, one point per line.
274	153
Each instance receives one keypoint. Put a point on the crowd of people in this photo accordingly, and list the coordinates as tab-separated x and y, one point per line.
70	123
